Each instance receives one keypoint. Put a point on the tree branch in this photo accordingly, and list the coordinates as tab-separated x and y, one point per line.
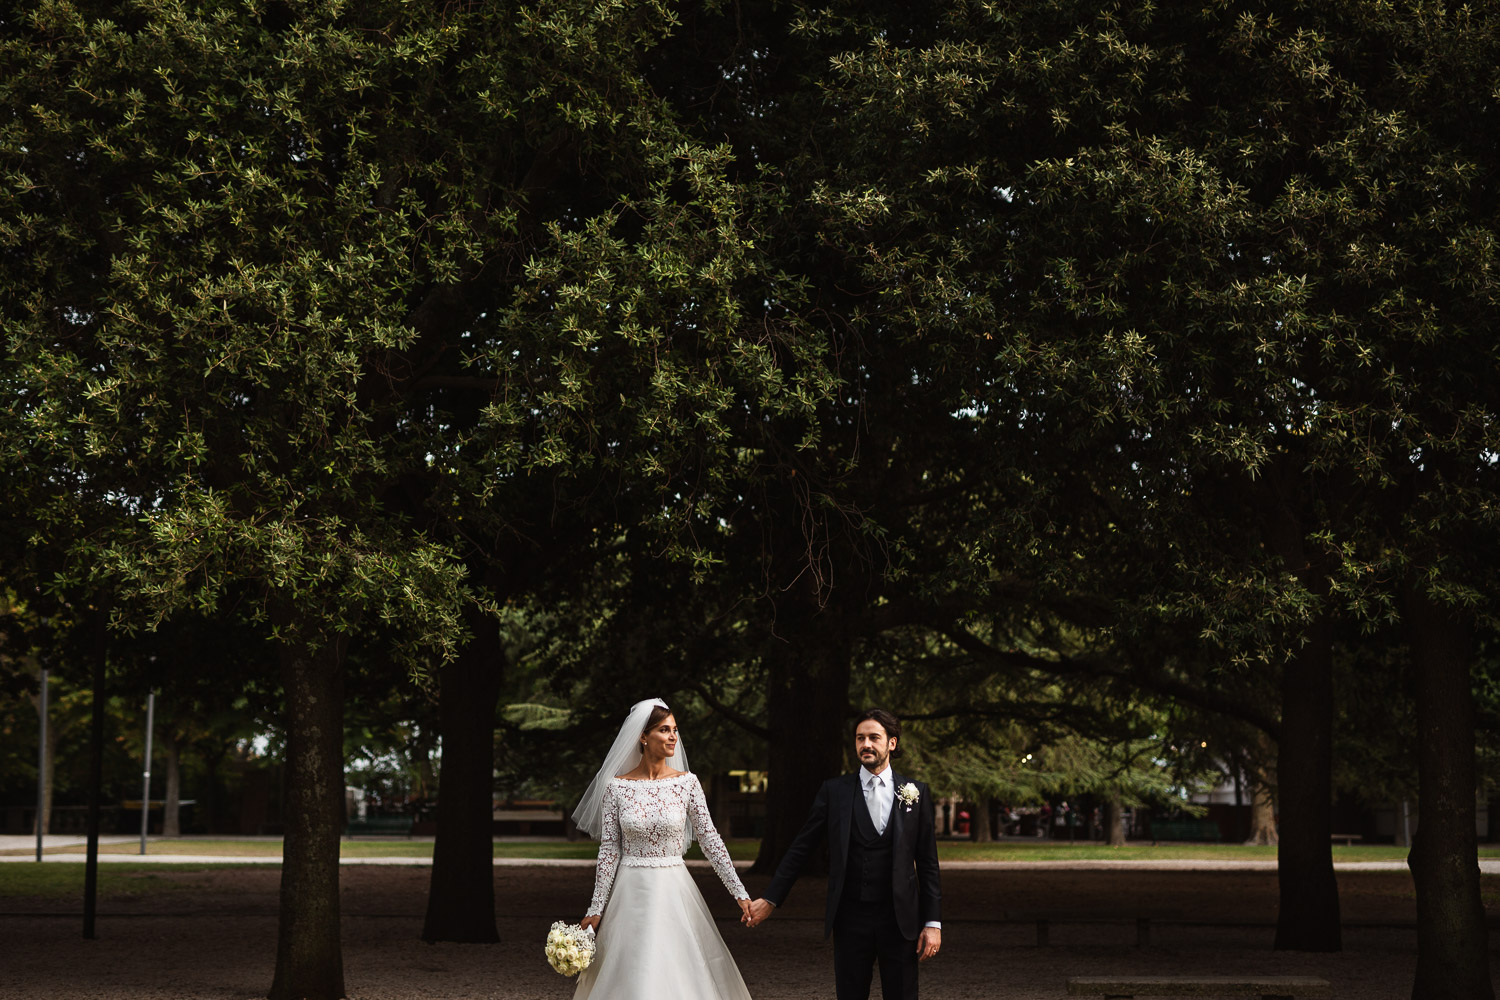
732	714
1211	701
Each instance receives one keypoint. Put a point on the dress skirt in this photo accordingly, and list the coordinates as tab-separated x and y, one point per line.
657	940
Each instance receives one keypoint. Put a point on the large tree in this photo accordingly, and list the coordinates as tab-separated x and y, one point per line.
1249	249
339	297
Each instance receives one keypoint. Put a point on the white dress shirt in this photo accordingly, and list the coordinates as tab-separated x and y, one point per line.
879	795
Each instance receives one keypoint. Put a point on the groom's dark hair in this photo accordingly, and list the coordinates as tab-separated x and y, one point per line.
888	722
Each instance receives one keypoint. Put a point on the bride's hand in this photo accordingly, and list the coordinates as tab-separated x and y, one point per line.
590	922
745	917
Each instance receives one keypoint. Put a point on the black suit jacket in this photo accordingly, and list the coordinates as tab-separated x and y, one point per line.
914	871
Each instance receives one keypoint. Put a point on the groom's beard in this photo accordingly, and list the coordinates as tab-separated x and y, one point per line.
873	761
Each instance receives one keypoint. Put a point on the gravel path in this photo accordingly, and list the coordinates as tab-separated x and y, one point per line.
211	933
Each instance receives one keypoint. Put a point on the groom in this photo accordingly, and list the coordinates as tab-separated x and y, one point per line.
883	890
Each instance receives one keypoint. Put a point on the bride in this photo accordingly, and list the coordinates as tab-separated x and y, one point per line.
655	936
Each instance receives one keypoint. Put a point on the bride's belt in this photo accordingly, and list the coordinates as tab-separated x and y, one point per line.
643	861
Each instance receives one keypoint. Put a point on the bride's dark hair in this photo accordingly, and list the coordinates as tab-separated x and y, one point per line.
658	713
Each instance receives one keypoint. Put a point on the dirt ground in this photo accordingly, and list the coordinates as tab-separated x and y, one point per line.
212	934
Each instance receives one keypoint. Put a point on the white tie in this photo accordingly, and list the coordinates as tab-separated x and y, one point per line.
872	802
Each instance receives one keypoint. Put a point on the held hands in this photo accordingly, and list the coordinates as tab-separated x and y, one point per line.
587	922
754	913
928	943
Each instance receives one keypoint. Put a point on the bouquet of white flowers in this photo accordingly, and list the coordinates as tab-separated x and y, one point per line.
570	948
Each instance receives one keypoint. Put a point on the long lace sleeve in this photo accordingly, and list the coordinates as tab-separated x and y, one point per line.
711	843
609	852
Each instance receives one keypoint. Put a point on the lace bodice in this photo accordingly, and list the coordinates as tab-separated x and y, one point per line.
644	827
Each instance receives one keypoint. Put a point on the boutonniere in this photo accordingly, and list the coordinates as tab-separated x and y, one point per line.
908	794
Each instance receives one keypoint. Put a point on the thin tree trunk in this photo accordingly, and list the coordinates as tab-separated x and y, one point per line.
1262	804
807	706
1262	817
1308	916
1114	821
309	958
171	824
984	830
461	893
1406	821
1452	940
43	819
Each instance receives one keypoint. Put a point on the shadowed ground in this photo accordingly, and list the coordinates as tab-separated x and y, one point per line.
211	933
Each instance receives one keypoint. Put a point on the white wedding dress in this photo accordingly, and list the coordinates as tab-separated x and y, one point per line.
657	940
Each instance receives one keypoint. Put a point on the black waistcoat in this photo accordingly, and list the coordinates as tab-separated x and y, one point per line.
871	855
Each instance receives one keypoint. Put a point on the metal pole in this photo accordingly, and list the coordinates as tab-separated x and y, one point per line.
41	769
1405	823
146	775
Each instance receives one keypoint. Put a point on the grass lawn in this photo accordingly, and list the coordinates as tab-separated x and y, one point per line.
123	880
1046	850
117	880
745	850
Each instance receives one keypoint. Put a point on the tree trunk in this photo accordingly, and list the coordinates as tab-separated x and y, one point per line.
1114	821
1262	804
984	830
807	706
53	734
1452	941
43	819
171	823
461	894
309	959
1262	816
1406	821
1308	916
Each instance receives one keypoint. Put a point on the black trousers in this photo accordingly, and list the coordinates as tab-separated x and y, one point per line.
865	934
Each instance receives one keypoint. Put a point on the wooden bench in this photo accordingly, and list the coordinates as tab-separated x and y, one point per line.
1044	919
1347	838
1266	987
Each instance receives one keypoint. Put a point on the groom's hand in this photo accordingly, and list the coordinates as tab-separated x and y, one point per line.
757	912
928	943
